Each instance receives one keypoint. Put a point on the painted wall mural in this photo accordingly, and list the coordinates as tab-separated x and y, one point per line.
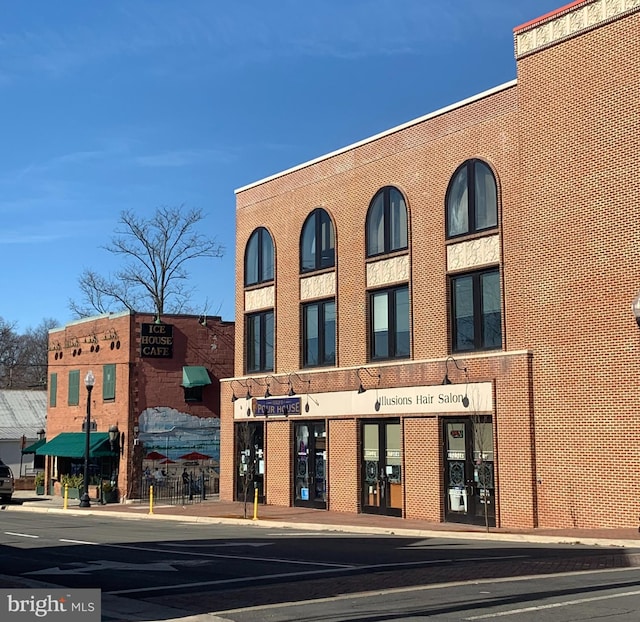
173	439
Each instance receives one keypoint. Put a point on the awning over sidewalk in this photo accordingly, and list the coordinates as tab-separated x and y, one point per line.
72	444
195	376
31	449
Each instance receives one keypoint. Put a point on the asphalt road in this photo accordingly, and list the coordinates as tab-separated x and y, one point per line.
244	574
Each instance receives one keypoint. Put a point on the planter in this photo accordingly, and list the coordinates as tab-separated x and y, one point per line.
110	496
72	493
40	489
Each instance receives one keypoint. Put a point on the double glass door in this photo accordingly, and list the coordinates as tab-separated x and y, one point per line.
382	467
250	460
469	486
310	464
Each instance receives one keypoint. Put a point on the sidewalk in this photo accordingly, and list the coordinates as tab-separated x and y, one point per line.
214	511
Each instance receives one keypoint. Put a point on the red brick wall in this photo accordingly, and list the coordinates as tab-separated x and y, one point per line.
563	145
571	247
278	439
342	464
140	382
423	488
420	161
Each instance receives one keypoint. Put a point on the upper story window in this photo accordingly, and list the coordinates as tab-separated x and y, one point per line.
476	311
258	259
386	222
259	341
319	333
472	199
389	323
317	243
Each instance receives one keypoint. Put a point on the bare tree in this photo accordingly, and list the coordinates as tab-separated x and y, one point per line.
247	459
154	275
483	462
34	353
23	358
9	349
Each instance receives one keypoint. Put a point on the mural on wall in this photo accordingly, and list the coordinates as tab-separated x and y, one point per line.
173	439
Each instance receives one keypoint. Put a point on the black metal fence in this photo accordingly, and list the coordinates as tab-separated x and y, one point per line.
179	490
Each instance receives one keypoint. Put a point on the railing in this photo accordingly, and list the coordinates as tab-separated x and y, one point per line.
174	490
31	472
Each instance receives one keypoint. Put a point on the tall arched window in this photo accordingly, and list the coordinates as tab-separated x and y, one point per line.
472	199
258	258
317	242
386	222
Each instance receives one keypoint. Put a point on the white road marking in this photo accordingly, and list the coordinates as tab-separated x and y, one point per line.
213	545
239	580
409	589
77	541
308	573
20	535
566	603
288	534
84	568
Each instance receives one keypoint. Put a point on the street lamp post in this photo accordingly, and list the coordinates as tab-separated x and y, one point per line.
89	381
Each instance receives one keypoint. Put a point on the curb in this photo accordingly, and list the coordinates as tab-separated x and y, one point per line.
419	533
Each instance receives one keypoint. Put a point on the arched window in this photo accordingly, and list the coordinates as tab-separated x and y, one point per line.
258	258
317	242
472	199
386	222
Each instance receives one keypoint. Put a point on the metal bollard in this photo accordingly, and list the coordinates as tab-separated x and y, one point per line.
150	499
255	503
65	497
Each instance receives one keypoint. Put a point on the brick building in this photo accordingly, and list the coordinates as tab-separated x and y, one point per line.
435	322
157	386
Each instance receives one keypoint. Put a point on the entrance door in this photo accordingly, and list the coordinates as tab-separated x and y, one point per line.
382	467
310	464
250	461
469	484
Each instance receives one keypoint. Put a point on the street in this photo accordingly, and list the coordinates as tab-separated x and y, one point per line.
241	572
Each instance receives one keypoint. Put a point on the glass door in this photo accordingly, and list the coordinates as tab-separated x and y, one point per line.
469	486
382	490
250	461
310	464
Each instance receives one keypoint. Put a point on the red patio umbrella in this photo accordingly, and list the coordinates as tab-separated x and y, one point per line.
195	455
167	461
155	455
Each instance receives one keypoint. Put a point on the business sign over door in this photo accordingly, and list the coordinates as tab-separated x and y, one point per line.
464	399
156	341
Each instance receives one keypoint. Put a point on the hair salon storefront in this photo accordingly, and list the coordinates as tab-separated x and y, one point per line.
419	452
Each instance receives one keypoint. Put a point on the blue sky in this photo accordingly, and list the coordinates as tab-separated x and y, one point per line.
127	104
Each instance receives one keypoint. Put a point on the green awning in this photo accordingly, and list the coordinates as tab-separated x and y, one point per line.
72	444
31	449
195	376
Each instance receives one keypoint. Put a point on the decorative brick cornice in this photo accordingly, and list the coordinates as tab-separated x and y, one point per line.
574	19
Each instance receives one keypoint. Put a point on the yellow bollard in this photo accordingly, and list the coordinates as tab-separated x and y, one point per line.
66	497
150	499
255	504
